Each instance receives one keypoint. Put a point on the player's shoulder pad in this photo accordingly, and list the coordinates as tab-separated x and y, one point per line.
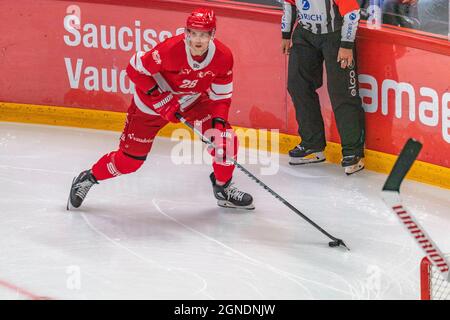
223	53
171	43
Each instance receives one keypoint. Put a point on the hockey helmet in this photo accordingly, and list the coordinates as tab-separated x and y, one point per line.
202	19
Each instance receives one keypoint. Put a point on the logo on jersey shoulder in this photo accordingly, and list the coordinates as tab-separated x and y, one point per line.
185	71
306	5
156	57
353	16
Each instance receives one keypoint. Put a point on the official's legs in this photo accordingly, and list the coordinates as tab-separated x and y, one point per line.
343	89
304	78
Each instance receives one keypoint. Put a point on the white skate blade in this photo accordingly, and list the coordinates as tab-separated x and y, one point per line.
69	205
354	168
315	157
228	204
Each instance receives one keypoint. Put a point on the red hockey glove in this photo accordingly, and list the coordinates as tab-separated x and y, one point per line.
166	104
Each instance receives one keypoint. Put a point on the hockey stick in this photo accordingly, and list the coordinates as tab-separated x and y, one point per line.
335	243
391	196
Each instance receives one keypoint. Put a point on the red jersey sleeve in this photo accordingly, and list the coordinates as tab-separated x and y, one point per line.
221	89
142	66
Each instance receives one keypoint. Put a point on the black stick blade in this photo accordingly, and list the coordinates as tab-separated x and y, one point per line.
401	167
337	243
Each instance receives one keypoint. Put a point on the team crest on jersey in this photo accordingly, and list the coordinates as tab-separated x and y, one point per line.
202	74
156	57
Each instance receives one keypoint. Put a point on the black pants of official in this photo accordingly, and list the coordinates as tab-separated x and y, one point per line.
305	73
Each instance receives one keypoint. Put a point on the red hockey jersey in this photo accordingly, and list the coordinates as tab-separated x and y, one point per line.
171	66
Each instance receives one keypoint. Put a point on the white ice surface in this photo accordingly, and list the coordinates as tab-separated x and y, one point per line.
158	234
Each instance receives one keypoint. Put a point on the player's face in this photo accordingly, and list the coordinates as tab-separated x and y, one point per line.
198	41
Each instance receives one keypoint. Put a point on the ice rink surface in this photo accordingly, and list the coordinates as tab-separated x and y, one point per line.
158	234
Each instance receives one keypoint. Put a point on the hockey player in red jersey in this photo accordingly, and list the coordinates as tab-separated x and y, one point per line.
190	74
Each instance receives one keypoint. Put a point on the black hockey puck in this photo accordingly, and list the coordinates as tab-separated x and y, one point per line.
333	243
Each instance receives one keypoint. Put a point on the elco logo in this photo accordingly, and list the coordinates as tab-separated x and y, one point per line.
352	84
306	5
353	16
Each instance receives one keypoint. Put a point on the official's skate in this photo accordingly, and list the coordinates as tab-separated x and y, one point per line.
352	164
300	155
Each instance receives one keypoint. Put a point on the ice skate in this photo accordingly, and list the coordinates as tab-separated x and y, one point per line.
300	155
228	196
80	188
352	164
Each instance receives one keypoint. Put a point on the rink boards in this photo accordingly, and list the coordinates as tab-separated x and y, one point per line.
261	139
